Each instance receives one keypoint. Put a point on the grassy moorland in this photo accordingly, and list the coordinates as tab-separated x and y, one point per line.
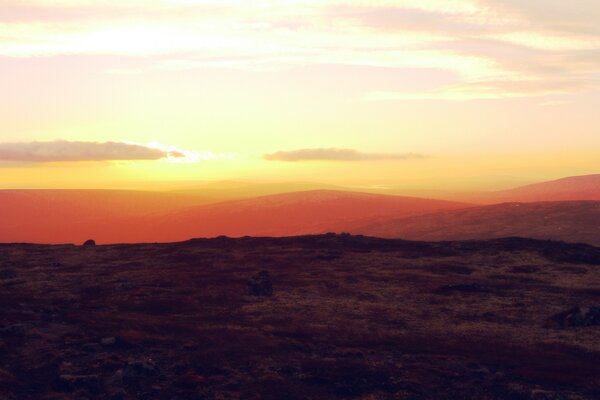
349	317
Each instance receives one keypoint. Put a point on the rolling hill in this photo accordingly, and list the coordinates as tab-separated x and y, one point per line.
222	191
112	216
297	213
139	217
56	216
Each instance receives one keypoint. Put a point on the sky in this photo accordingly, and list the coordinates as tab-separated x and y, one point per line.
436	93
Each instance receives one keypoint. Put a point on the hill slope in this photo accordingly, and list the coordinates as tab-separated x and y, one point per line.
297	213
585	187
54	216
572	221
135	217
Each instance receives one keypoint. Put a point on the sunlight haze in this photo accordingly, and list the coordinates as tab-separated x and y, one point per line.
483	91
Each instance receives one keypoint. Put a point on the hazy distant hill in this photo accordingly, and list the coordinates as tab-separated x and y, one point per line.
109	217
69	215
586	187
572	221
234	190
130	202
314	211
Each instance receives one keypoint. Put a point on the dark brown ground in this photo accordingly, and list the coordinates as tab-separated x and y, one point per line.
350	317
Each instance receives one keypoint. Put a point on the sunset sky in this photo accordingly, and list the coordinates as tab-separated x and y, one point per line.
381	92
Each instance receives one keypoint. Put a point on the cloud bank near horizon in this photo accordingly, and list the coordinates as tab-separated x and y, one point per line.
336	154
67	151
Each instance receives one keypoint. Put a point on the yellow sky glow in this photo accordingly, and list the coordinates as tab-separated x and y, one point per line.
478	87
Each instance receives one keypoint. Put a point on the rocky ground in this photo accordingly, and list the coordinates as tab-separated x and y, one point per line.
316	317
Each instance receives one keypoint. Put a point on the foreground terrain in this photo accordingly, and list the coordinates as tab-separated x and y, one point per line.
348	317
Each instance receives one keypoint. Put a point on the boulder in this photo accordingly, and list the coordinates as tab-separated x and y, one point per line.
89	243
137	370
13	330
7	273
108	341
260	284
68	383
114	385
462	288
6	377
578	316
125	285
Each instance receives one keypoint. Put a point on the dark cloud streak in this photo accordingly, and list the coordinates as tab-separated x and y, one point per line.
336	154
66	151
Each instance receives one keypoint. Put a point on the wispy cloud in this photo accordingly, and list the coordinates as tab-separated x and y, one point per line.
485	90
335	154
486	45
66	151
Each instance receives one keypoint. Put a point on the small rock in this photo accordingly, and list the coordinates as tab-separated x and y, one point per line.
91	347
114	385
463	288
191	380
328	256
125	285
330	285
72	382
525	269
108	341
578	316
539	394
89	243
189	346
67	368
260	284
136	370
6	377
13	282
13	330
8	273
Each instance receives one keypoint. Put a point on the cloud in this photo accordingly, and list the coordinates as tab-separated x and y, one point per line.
490	90
61	150
334	154
479	42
